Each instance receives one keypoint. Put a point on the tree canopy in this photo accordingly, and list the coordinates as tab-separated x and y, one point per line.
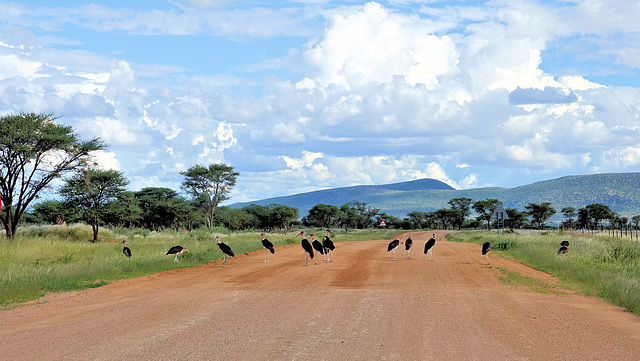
35	150
209	186
90	191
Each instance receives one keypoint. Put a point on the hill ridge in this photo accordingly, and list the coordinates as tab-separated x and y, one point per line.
619	191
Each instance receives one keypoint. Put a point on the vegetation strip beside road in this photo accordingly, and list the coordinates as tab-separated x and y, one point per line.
44	259
596	265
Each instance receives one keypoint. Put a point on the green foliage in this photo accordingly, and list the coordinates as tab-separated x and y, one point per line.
598	265
90	191
209	186
27	141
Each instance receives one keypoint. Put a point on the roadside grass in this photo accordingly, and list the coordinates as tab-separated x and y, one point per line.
599	265
44	259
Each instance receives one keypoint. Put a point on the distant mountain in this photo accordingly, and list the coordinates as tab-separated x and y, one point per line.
370	194
619	191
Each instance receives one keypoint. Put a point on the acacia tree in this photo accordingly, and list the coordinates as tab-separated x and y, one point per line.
569	214
462	208
322	215
90	191
35	150
540	213
163	208
209	186
485	210
281	216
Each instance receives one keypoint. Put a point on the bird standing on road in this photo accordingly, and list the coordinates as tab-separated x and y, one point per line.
317	246
125	249
392	247
428	247
486	248
268	247
407	246
177	250
328	245
308	250
226	250
564	247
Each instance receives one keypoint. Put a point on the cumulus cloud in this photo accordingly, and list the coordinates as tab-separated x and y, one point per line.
299	98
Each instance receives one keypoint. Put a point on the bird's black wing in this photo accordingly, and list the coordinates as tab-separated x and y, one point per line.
226	249
174	250
393	244
408	243
126	251
318	246
329	244
307	247
430	243
486	248
268	245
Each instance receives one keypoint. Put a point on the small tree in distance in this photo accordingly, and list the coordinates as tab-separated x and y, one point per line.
90	191
209	186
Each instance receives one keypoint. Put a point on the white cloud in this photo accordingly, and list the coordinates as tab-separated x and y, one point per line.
106	160
353	94
630	156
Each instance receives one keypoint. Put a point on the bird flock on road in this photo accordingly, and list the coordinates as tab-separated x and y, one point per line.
325	247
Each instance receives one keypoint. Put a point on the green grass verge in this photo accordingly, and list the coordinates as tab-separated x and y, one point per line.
43	259
600	266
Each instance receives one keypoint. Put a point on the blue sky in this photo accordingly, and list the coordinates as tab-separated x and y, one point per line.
306	95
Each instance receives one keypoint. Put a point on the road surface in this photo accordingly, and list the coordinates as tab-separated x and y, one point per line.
362	306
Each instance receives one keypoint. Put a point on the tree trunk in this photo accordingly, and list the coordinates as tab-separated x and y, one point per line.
94	226
9	224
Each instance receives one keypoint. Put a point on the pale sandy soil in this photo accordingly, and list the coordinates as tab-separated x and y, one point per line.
362	306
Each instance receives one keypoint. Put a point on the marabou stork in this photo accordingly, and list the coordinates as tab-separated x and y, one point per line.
268	247
317	246
328	246
226	250
125	249
486	248
308	249
428	247
407	246
392	247
177	250
564	247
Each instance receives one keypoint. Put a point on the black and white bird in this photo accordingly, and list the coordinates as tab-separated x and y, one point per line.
226	251
177	250
428	247
317	246
268	247
486	248
392	247
125	249
564	247
407	246
308	249
328	245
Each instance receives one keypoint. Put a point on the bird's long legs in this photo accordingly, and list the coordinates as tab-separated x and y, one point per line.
487	262
317	257
266	255
176	259
305	258
431	254
408	254
394	254
224	263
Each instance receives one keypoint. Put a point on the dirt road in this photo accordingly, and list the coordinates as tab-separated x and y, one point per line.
362	306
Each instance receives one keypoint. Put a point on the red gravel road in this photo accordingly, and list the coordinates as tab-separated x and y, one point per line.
362	306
